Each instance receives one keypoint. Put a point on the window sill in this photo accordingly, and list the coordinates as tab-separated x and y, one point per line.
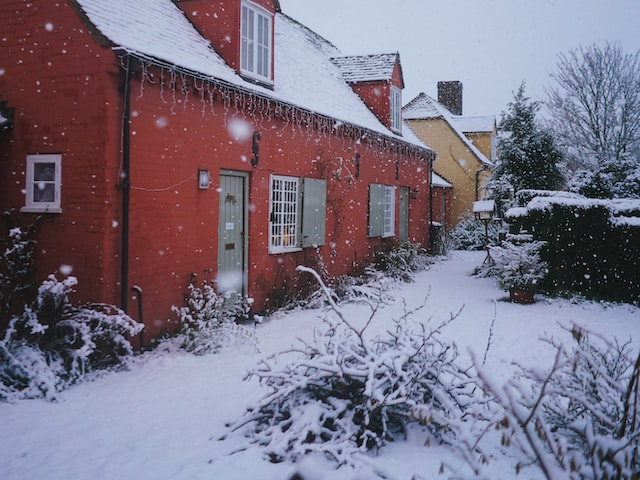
257	79
276	251
40	210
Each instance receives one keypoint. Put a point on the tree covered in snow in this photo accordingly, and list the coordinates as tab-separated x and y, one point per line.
579	420
52	344
344	393
469	233
16	267
517	263
528	155
595	115
46	343
208	318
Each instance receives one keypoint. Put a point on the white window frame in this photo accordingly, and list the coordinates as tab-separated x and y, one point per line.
39	182
297	213
389	211
396	109
284	214
382	210
256	26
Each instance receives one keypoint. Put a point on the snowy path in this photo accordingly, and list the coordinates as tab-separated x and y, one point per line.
161	419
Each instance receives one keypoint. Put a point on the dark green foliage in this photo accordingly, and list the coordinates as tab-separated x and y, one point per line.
528	156
469	234
401	260
592	247
16	267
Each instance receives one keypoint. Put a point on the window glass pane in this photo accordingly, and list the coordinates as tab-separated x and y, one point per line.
44	187
396	108
388	210
263	46
43	182
44	172
255	47
284	212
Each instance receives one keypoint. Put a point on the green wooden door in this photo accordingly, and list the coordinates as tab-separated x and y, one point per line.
232	235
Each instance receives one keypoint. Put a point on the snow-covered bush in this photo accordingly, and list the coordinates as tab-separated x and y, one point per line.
401	261
343	393
517	263
469	234
370	286
581	420
53	344
209	319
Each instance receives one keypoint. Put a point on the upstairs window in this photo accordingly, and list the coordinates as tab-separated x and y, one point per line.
255	42
396	109
43	183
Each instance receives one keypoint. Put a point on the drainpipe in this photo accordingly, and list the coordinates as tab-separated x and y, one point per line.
431	191
431	229
125	183
138	290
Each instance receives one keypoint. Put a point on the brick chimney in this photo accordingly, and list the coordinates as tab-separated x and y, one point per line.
450	95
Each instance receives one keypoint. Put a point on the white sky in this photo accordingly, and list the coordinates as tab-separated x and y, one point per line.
489	45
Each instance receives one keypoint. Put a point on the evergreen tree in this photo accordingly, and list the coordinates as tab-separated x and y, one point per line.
528	156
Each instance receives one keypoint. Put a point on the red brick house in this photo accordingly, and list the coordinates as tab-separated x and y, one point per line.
159	139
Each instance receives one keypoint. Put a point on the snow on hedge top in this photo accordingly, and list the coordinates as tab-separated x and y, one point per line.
366	68
623	211
423	107
304	74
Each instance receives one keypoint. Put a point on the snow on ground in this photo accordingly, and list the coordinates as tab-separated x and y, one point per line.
162	419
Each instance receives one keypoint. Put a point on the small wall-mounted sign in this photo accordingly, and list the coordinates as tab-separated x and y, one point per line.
203	179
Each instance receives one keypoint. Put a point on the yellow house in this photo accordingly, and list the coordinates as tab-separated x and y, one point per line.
465	146
481	130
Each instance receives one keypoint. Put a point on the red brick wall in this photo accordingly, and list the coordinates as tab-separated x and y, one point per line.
174	230
377	96
63	88
67	94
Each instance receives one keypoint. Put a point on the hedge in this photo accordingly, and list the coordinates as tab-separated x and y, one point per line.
593	246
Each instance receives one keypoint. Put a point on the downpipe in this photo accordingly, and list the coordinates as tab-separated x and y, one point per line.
138	290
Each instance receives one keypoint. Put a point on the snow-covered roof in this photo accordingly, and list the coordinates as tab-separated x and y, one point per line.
366	68
423	107
305	76
475	124
438	181
158	29
484	206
